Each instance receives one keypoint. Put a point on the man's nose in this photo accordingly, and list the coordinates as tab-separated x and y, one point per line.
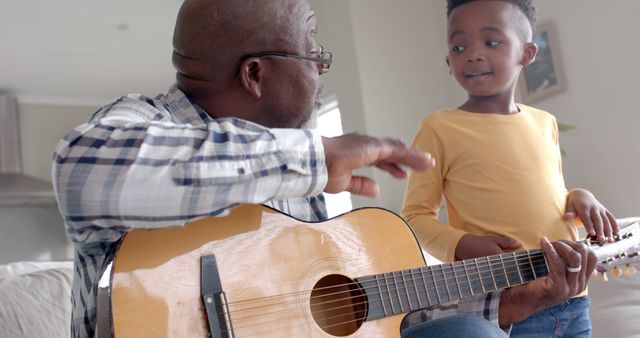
322	69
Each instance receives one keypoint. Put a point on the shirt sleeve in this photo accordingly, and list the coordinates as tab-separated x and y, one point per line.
119	172
423	197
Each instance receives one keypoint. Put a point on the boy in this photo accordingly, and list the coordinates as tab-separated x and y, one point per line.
498	163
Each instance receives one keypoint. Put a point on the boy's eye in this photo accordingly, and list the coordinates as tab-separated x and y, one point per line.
457	49
491	43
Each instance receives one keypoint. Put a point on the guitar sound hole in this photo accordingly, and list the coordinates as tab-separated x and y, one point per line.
338	305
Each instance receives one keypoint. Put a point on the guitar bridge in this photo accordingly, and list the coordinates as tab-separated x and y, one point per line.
214	299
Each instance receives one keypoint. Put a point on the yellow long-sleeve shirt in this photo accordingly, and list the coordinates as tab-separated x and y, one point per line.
499	175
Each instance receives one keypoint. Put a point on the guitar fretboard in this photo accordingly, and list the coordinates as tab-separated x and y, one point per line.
403	291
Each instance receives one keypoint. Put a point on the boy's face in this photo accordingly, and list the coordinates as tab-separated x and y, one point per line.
487	48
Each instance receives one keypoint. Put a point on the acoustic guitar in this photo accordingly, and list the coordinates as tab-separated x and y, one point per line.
260	273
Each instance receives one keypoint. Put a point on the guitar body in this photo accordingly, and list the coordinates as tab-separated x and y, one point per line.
267	263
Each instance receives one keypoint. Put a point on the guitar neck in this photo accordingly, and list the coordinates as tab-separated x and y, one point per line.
403	291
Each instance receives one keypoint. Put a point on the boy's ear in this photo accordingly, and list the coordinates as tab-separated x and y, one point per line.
252	72
529	54
446	59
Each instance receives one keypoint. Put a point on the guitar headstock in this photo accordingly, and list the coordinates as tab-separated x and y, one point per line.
620	256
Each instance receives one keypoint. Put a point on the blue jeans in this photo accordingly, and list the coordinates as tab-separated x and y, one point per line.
458	326
567	319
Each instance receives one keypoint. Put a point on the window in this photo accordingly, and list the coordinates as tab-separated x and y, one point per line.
329	124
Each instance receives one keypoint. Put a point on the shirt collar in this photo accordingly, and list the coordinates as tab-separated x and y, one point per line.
184	108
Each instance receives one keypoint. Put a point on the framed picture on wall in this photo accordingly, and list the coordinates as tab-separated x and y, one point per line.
544	77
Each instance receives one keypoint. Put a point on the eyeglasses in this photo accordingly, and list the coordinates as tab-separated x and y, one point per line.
324	58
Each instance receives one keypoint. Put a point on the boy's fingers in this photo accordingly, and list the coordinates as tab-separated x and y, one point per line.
587	223
614	223
596	221
606	225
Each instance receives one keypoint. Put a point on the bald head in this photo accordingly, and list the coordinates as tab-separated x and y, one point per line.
211	35
212	41
205	26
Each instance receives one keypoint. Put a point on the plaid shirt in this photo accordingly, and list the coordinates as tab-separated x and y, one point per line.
151	163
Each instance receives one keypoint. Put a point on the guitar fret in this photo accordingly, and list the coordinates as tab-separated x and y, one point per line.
384	307
423	287
456	279
542	270
475	260
515	260
426	288
406	289
446	283
395	282
415	287
464	264
419	288
525	268
393	309
435	286
493	277
546	264
462	279
531	264
505	271
513	275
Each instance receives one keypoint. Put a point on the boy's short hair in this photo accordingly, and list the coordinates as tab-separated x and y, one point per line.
526	6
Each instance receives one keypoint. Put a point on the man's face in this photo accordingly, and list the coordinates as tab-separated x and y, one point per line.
293	88
486	47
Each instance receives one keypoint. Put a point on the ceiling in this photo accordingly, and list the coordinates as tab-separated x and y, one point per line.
85	51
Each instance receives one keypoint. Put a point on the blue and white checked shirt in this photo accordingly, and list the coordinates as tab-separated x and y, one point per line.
151	163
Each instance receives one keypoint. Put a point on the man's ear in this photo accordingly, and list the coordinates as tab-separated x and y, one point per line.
529	54
252	76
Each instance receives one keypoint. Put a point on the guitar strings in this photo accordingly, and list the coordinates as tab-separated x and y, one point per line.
397	287
447	268
358	319
481	265
406	287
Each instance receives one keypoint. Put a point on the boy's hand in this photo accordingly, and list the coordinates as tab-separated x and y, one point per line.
597	220
472	246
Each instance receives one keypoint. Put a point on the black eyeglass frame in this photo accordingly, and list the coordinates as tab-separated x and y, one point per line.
325	59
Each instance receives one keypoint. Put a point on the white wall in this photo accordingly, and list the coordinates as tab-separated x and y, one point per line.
41	127
36	232
598	41
336	34
399	69
32	233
